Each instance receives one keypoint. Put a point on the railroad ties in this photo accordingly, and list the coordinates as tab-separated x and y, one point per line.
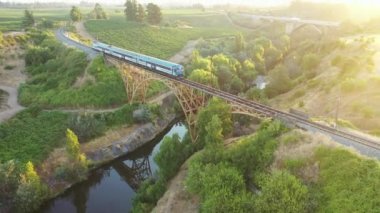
193	95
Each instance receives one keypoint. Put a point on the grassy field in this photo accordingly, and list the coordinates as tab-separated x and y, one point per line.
11	19
179	26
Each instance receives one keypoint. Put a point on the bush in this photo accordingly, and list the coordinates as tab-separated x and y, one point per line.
310	61
353	85
281	192
86	126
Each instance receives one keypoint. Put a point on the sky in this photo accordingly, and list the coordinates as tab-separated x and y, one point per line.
262	3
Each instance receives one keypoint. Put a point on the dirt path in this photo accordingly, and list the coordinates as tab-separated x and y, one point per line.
183	56
10	79
81	30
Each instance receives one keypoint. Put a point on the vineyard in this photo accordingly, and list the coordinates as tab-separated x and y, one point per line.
178	27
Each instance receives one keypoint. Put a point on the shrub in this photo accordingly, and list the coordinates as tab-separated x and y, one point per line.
86	126
353	85
310	61
281	192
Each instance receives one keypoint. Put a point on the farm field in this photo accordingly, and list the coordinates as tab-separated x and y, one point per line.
179	26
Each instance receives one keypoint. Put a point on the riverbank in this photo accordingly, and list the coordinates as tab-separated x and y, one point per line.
114	144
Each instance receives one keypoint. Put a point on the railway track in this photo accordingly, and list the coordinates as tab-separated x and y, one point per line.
264	109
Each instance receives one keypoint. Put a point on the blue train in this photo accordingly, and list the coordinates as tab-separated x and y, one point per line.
143	60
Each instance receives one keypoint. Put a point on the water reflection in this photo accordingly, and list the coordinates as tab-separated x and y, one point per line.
112	187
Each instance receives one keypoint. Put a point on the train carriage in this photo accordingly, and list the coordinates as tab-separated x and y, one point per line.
143	60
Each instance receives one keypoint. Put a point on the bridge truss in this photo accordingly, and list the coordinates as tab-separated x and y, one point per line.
191	99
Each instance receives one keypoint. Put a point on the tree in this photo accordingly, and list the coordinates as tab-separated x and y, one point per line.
310	61
170	157
75	14
239	43
140	13
72	145
77	166
214	137
28	20
130	12
154	14
31	192
289	194
204	77
279	81
215	107
98	12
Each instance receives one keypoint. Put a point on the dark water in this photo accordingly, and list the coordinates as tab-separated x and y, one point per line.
112	187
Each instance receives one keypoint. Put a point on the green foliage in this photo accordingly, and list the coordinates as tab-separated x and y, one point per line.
204	77
341	194
221	187
171	156
279	82
31	135
239	43
9	180
86	126
75	14
28	20
310	61
219	176
77	166
154	15
140	13
215	107
161	42
256	94
281	192
31	192
130	10
98	12
54	70
214	137
349	85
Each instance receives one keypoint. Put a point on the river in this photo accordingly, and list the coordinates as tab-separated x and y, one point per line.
112	187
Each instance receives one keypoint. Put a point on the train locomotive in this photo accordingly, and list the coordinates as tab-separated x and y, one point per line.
145	61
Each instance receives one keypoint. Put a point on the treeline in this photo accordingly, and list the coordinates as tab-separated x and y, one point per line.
233	65
97	13
137	12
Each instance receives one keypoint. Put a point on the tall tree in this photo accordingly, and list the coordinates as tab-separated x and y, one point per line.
75	14
31	191
214	137
154	14
129	11
98	12
28	20
140	13
239	43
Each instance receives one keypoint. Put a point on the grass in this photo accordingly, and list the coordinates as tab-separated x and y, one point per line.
31	135
11	19
53	76
162	42
325	169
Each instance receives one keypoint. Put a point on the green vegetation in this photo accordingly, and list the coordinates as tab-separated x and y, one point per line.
75	14
31	135
220	176
173	152
54	70
98	12
164	41
28	20
154	15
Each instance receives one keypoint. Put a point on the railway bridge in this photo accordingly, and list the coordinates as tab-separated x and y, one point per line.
192	96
